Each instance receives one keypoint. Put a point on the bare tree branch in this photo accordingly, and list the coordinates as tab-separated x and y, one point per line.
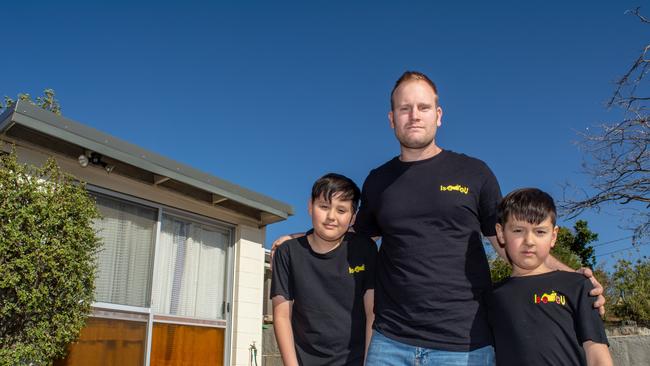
617	157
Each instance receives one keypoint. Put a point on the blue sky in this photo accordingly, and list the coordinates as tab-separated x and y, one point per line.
272	95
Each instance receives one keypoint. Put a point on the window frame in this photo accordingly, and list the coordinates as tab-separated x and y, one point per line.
152	317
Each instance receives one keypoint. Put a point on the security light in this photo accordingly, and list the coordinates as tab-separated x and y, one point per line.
83	160
91	157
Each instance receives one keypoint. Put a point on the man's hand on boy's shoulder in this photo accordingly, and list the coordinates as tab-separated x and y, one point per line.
279	241
596	291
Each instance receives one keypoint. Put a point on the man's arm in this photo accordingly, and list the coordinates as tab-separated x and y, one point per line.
597	354
283	330
553	263
279	241
369	305
497	247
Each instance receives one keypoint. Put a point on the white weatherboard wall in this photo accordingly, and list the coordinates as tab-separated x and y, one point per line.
248	294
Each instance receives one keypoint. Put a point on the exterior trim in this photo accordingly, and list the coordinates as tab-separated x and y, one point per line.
70	131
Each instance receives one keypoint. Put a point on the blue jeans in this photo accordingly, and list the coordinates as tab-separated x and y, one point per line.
387	352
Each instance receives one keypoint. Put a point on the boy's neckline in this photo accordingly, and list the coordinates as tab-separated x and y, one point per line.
552	271
533	272
313	245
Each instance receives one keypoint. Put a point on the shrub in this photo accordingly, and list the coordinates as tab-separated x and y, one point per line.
47	261
631	285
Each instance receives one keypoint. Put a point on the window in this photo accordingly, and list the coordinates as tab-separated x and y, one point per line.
186	345
191	269
105	341
125	261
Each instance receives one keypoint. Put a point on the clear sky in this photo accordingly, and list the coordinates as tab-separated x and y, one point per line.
272	94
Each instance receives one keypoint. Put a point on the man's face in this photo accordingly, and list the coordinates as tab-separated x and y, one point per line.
416	115
527	244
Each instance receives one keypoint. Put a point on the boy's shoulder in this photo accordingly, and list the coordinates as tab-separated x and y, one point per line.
300	245
569	279
291	246
564	279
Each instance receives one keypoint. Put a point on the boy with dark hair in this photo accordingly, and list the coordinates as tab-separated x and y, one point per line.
540	316
323	283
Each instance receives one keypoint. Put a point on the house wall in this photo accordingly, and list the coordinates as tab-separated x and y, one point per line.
248	264
248	295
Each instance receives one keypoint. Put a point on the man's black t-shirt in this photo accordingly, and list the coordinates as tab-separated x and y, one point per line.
328	316
432	271
544	319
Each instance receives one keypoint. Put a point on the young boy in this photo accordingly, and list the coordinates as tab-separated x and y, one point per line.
323	283
540	316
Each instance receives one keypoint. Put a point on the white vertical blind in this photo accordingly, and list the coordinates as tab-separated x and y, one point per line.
125	261
191	269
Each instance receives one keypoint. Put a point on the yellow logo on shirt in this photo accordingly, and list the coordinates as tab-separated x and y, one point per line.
357	269
457	187
553	297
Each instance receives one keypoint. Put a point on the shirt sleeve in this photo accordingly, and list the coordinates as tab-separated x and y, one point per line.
589	325
489	199
371	265
281	276
365	223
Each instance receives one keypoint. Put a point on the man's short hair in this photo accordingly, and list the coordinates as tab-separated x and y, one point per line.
332	184
526	204
412	76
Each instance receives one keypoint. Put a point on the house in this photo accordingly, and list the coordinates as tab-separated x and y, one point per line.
181	274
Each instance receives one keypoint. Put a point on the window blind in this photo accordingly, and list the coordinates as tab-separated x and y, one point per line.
191	269
125	261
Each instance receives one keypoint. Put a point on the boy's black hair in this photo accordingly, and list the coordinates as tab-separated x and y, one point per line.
331	184
527	204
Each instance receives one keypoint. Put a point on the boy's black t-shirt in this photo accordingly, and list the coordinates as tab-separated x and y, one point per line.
328	316
432	271
544	319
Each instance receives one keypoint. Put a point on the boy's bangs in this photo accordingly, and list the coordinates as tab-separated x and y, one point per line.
531	215
331	185
330	192
527	204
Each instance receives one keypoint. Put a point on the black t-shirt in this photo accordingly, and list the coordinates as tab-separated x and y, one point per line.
544	319
328	316
432	270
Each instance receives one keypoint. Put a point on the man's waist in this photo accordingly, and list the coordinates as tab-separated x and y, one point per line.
451	338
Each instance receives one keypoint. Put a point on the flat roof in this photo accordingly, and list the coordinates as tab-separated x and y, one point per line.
29	122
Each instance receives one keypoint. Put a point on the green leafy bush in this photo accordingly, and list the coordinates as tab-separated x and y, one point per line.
631	285
47	101
47	261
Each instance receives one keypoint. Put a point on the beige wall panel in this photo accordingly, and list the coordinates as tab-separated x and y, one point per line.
249	265
252	250
247	294
249	284
251	280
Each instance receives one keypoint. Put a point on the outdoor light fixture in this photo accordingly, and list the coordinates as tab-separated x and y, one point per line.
83	160
91	157
95	158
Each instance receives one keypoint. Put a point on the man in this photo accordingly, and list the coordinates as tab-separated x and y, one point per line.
430	206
